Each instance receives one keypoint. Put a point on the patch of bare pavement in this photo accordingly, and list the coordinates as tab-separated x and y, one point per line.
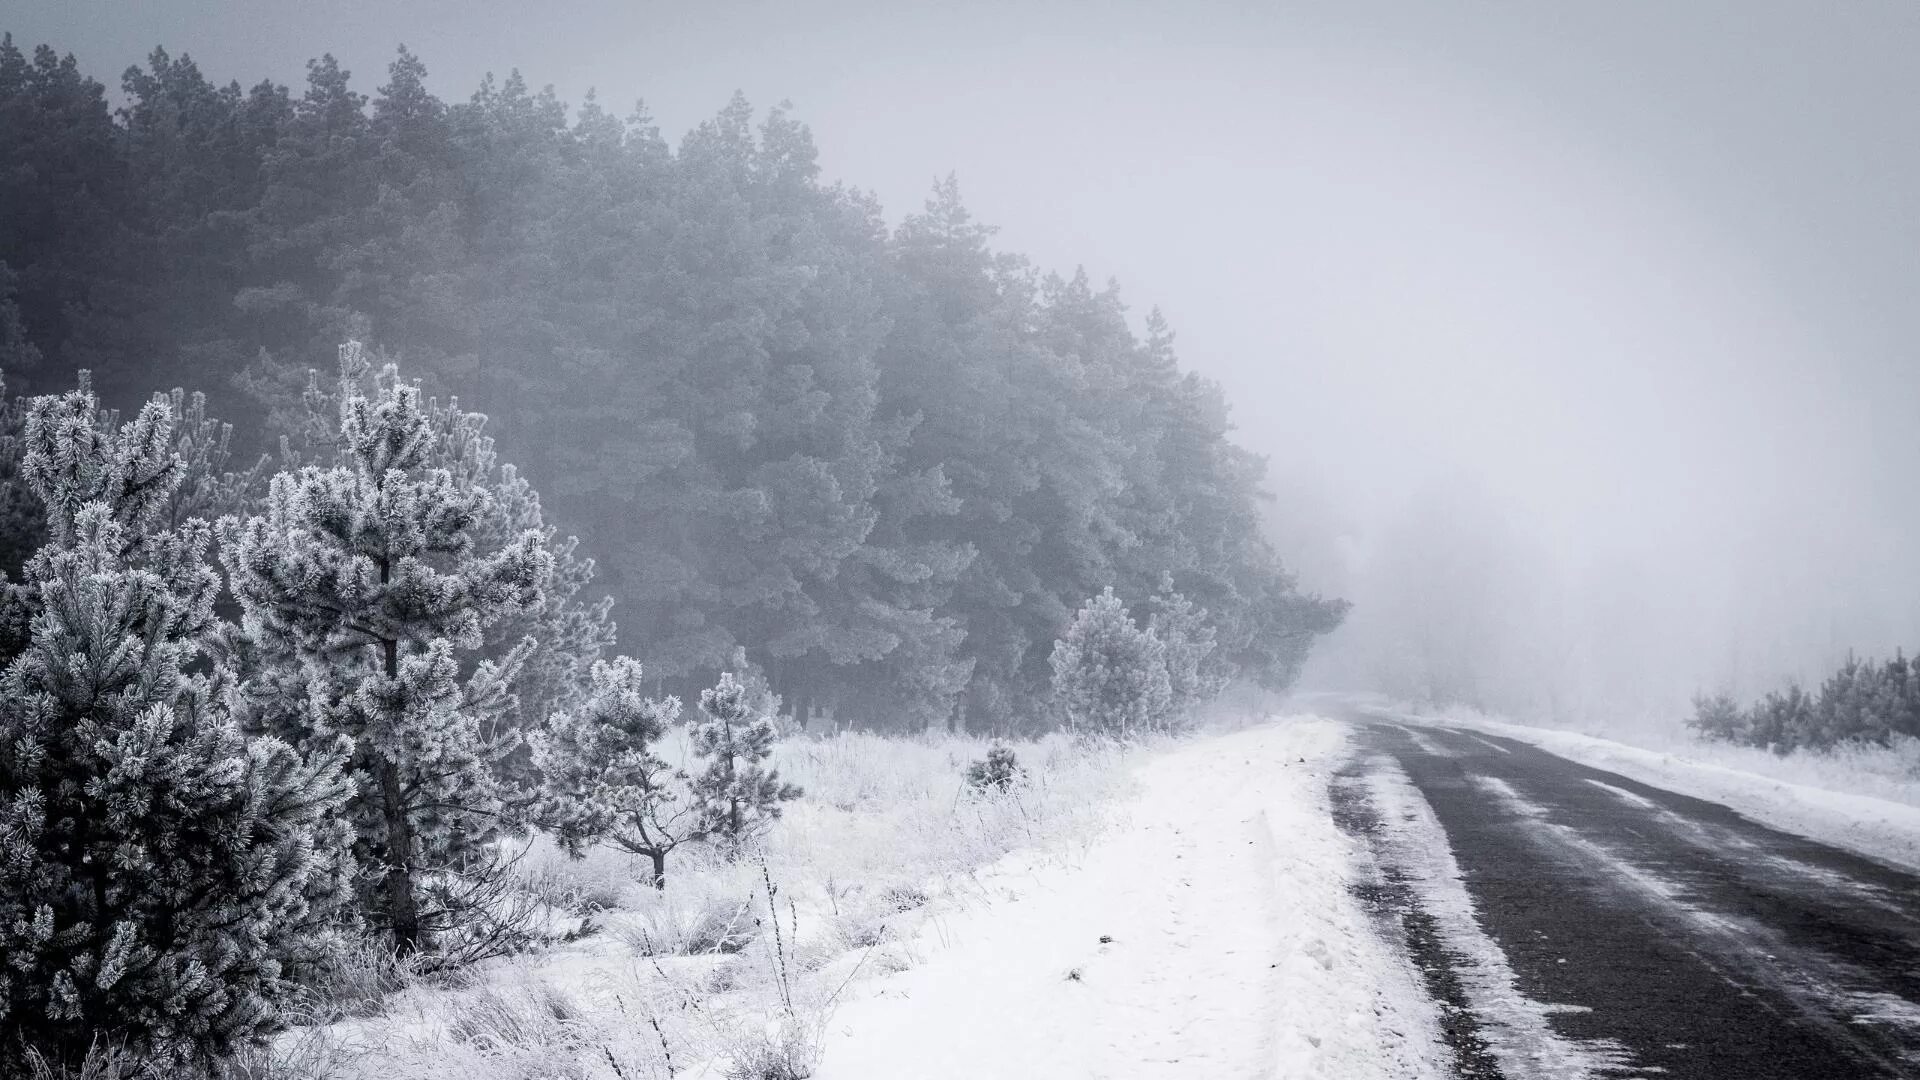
1573	923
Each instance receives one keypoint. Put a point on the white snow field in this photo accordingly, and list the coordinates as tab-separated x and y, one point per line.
1804	794
1209	934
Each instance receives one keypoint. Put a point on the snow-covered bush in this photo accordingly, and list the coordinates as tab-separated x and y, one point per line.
1110	674
365	602
998	771
161	876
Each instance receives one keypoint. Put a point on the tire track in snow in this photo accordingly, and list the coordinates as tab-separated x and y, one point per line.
1494	1028
1695	941
1742	950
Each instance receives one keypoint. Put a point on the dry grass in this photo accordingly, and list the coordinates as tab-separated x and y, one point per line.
733	969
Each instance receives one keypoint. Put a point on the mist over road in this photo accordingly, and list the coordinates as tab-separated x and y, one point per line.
1573	922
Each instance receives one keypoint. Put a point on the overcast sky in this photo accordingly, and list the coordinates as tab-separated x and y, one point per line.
1637	276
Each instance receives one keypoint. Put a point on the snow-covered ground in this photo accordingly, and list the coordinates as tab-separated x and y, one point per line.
1804	794
932	935
1209	934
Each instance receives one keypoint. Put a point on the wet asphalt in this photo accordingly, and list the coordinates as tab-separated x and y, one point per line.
1691	942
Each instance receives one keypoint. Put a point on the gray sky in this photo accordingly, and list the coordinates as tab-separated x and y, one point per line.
1627	283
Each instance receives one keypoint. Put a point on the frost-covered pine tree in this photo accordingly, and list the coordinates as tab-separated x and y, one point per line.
1188	639
161	876
569	633
602	778
1109	674
366	604
736	794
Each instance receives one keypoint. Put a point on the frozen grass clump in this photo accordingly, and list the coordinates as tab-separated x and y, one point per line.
782	1051
697	915
582	887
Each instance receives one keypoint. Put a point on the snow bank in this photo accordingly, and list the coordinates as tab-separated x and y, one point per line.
1801	798
1210	934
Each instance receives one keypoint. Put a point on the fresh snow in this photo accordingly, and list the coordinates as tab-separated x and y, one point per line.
1236	948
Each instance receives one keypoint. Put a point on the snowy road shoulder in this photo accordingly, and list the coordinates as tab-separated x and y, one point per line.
1212	933
1865	824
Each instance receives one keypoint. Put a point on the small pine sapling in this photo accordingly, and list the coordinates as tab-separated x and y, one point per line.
602	779
1718	716
1110	674
737	796
999	771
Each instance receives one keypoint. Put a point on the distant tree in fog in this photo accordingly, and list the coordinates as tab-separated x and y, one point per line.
1110	674
1862	701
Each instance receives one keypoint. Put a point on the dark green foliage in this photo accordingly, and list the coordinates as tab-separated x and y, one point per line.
998	771
888	465
162	877
1863	701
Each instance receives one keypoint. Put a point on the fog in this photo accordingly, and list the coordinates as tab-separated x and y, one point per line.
1578	340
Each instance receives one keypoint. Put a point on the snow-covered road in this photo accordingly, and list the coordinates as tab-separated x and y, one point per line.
1211	933
1584	924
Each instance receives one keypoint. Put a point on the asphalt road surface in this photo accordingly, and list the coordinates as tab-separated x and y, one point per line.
1573	922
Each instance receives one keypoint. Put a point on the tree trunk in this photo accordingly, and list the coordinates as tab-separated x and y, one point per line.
403	907
659	868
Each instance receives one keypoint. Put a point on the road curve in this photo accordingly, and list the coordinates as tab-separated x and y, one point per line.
1572	922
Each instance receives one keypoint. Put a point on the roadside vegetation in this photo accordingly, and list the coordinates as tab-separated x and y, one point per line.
1865	709
348	758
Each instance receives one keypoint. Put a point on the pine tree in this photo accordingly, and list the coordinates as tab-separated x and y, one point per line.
1188	637
569	634
161	876
736	796
361	581
602	779
1109	674
999	771
17	352
1719	716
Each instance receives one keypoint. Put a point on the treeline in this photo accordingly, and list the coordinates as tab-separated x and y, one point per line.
1865	701
886	464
